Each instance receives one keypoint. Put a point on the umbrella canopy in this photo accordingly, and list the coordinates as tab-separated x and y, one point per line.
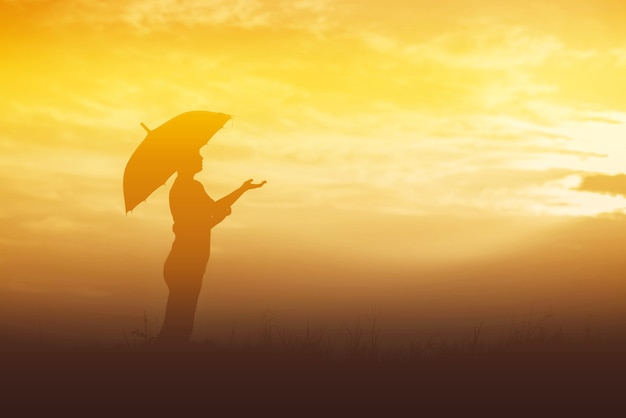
159	155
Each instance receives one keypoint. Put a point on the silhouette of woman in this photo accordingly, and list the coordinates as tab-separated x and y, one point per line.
194	214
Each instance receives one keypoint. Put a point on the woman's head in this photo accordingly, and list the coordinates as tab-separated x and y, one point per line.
190	163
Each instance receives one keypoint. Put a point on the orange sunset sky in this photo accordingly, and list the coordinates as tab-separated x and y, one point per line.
448	161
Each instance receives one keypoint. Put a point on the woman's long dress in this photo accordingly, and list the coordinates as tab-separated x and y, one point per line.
193	213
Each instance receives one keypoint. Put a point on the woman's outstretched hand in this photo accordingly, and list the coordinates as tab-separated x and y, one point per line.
248	185
227	201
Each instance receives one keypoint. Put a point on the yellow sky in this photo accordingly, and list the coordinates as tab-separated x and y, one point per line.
394	135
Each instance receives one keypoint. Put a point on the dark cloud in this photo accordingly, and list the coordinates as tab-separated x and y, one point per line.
601	183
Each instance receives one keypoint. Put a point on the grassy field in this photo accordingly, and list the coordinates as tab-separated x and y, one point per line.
531	371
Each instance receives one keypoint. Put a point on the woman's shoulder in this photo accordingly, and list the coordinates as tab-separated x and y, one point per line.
188	187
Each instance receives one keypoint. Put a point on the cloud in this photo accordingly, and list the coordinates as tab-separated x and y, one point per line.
604	184
479	45
474	65
599	117
620	55
506	65
149	16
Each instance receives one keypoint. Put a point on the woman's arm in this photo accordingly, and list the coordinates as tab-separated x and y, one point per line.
221	208
228	200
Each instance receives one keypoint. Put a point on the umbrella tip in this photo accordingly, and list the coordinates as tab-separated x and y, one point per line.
145	127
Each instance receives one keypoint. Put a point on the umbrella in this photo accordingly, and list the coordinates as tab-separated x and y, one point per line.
158	156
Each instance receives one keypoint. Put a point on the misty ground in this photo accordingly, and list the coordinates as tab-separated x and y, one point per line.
530	371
